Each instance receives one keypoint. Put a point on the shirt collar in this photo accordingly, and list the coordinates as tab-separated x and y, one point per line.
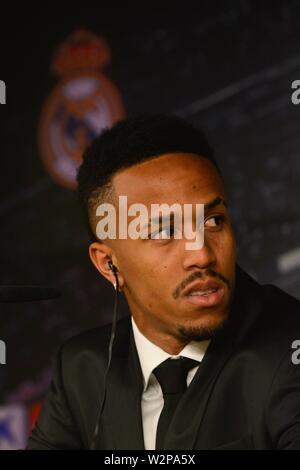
151	355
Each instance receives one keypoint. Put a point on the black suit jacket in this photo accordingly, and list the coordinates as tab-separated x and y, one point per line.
245	394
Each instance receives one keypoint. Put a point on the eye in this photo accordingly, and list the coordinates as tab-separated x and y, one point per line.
217	221
164	233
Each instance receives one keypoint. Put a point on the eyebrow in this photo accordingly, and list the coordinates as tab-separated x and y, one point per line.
209	205
160	219
215	202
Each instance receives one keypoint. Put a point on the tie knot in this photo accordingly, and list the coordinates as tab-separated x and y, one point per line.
172	373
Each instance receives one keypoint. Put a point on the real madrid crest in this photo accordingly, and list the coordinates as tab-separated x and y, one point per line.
83	103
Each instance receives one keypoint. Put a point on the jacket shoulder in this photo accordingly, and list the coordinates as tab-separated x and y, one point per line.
278	324
96	340
285	305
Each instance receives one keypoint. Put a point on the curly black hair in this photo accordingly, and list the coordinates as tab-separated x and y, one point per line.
128	143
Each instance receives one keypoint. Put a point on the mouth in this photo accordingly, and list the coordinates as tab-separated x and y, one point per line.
205	294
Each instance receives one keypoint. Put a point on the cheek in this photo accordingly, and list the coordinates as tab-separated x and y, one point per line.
221	241
141	268
232	242
229	254
225	246
157	279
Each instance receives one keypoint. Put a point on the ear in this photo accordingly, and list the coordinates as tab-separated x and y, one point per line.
100	255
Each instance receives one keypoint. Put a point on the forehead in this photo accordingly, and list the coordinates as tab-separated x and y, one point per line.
168	178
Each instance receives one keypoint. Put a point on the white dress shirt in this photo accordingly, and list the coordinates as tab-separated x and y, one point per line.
150	356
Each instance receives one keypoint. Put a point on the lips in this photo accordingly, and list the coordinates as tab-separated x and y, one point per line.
202	287
204	294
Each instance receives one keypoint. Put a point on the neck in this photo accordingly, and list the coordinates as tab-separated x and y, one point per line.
165	340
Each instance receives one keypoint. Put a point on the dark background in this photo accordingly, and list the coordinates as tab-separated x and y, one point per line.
225	66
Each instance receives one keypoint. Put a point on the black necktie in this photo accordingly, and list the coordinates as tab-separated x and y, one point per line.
171	375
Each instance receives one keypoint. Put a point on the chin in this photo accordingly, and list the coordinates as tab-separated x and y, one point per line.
204	328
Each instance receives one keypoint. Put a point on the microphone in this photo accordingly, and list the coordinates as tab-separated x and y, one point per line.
27	293
95	435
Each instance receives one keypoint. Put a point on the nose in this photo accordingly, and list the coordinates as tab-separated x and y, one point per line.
202	258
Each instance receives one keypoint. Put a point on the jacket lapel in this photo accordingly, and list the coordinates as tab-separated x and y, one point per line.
122	420
191	409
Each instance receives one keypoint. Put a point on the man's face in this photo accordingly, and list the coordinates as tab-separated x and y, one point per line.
161	277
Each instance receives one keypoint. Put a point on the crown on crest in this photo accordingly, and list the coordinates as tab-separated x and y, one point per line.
81	50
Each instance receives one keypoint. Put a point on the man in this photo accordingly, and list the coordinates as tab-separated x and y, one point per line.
205	360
